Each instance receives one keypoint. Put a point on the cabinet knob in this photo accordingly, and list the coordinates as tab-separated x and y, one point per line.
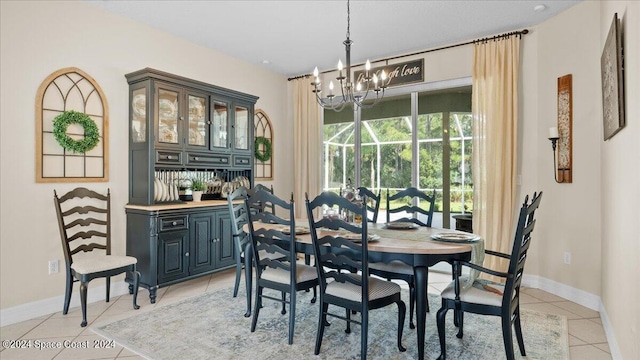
174	223
208	122
186	254
168	157
195	158
181	117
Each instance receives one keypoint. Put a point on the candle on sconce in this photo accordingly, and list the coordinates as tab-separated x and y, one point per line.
553	132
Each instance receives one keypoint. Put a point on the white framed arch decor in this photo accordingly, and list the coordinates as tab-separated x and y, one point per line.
263	146
72	129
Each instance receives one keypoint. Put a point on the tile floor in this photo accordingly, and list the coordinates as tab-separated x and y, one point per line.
587	339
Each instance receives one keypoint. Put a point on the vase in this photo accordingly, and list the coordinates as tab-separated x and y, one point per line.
197	195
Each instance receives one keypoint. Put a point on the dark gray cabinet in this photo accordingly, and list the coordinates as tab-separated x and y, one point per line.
181	128
182	125
178	244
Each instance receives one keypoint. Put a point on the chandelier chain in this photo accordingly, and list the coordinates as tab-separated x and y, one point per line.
348	20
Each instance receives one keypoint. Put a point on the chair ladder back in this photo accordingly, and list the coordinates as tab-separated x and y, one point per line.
271	240
239	217
372	203
522	241
78	222
257	205
415	195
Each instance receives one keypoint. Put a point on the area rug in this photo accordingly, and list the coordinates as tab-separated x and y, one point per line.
212	326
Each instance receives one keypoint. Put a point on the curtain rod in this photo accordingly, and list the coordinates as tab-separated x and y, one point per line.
496	37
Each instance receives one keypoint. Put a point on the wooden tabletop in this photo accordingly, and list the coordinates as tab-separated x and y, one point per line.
411	241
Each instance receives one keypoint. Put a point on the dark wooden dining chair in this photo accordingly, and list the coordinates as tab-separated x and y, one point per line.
281	272
373	203
84	220
489	298
397	269
241	240
239	218
409	195
347	248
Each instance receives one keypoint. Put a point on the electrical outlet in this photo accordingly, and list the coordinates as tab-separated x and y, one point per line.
567	257
53	266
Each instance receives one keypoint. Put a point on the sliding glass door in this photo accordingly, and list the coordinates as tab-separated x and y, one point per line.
417	139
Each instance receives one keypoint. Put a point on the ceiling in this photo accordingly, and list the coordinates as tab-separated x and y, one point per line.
292	37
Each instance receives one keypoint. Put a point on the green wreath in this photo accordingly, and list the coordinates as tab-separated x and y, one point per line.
266	154
91	133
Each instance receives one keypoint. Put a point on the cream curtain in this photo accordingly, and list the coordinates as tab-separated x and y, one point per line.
496	65
307	137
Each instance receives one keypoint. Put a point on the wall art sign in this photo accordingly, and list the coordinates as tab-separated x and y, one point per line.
612	63
565	128
397	74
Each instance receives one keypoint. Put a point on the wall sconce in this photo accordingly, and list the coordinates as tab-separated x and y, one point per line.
561	136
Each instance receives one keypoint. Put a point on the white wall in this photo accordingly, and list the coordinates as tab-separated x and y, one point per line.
594	217
38	38
568	44
620	189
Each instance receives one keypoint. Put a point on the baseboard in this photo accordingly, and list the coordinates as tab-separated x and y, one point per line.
611	338
54	304
578	296
581	297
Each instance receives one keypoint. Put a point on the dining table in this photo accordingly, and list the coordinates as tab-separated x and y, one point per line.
413	245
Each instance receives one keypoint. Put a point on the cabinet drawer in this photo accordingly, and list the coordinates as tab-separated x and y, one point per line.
173	223
207	159
242	160
169	157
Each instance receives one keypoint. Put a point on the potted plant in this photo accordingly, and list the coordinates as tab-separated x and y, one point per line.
197	187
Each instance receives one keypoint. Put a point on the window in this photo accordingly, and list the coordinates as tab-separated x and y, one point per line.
428	150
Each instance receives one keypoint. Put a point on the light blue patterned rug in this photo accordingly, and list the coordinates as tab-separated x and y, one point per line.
212	326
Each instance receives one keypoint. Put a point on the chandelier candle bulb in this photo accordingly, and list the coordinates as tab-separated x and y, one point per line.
553	133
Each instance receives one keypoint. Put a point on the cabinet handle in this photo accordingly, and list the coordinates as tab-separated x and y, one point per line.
187	254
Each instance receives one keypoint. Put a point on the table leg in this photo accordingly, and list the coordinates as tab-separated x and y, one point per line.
248	275
420	275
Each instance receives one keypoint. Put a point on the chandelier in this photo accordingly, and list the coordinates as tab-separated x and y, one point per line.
354	94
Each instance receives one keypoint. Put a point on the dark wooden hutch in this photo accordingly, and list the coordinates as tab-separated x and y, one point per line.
182	129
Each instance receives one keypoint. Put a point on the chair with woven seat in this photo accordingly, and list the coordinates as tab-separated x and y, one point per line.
280	270
373	203
346	247
241	240
85	214
488	298
397	269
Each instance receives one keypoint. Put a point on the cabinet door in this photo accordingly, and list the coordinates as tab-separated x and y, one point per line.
202	242
197	121
225	250
173	255
220	124
242	129
168	115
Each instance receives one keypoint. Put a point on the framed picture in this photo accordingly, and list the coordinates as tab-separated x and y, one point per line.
613	81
